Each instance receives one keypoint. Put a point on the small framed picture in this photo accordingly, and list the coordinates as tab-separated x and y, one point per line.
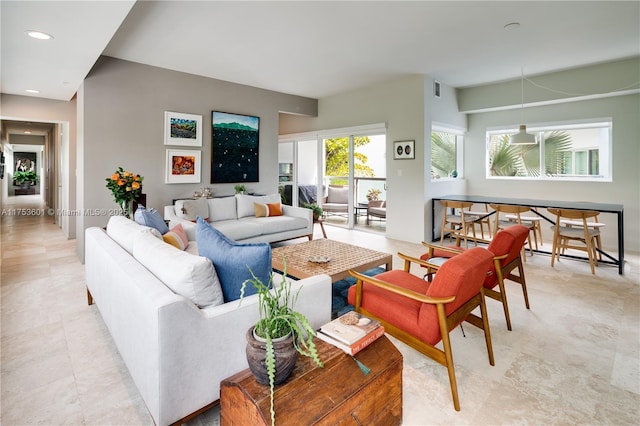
183	166
404	150
182	129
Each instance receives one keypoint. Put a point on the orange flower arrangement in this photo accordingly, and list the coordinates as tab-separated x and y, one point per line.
125	187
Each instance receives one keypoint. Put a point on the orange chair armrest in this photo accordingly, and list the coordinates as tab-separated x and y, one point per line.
423	298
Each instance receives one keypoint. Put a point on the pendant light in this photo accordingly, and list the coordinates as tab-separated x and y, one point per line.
522	137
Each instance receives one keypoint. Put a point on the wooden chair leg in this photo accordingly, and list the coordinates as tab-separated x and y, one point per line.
505	304
485	327
446	344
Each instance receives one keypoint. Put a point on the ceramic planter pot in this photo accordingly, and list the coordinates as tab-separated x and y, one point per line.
286	356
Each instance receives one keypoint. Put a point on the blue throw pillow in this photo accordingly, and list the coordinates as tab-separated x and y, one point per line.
233	260
150	218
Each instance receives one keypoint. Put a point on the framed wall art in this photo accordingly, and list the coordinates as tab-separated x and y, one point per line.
182	129
183	166
404	150
235	143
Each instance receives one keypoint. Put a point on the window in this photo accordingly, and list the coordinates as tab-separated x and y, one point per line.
568	151
446	150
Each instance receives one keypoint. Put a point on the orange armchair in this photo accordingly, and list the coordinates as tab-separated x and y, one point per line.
506	247
420	313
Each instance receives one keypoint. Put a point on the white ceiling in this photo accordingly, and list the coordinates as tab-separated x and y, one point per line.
312	49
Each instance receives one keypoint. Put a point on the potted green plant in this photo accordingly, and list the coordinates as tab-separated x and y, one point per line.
317	210
25	178
240	189
279	335
373	194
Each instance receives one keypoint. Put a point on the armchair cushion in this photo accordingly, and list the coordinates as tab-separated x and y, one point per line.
398	309
461	277
338	195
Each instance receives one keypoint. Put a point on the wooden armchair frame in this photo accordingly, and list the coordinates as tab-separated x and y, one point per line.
446	322
503	272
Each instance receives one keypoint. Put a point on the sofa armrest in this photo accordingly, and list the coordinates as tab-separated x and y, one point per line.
189	227
301	212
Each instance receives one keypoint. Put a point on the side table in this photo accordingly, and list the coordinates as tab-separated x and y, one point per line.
337	393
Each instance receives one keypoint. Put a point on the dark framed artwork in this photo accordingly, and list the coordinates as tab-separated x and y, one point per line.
404	150
235	143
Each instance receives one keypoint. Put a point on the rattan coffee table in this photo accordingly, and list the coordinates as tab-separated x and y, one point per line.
342	257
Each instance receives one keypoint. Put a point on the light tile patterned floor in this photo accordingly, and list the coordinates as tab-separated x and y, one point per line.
574	358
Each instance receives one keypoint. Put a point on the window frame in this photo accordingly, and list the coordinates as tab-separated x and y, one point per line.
605	162
459	134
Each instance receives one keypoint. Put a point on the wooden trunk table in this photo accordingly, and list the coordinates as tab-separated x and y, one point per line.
343	257
339	393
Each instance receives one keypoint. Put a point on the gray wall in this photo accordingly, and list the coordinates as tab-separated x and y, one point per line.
123	105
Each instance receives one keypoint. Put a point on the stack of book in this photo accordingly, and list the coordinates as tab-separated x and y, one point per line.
351	332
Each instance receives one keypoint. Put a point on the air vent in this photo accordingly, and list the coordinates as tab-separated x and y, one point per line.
436	89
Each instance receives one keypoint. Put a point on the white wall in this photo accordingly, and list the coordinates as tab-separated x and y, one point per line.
624	189
408	107
28	108
399	104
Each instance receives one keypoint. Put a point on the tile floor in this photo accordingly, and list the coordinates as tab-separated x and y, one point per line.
574	358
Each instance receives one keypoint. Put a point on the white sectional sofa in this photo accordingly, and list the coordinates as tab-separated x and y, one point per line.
235	217
176	352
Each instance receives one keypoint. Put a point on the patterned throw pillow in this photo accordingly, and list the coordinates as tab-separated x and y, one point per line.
233	261
150	217
177	237
190	209
269	209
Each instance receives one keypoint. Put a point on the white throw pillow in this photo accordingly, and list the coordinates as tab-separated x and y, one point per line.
245	203
123	231
193	277
190	209
223	208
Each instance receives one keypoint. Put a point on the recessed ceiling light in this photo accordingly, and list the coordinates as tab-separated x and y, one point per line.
512	26
32	91
39	35
27	132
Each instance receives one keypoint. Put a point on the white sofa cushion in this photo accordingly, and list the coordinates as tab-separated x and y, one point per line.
190	209
124	231
273	224
223	208
238	229
193	277
245	203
